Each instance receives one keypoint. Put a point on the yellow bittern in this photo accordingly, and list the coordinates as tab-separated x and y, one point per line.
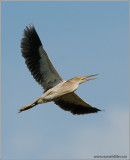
55	88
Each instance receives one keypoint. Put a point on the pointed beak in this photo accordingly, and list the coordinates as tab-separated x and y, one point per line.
88	78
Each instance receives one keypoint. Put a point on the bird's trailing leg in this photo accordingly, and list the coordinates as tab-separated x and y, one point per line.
29	106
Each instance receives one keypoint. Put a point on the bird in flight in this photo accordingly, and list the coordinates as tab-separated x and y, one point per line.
56	89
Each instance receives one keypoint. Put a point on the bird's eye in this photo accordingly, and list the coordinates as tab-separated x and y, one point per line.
79	78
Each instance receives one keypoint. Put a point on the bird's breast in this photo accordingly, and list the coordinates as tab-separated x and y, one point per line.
59	90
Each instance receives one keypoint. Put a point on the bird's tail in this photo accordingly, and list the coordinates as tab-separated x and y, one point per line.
29	106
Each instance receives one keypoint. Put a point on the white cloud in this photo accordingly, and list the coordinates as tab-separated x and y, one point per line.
108	138
111	139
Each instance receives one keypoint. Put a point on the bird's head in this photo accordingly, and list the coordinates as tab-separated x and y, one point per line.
87	78
79	80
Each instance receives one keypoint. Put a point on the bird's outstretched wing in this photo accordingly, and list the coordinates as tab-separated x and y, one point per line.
37	59
73	103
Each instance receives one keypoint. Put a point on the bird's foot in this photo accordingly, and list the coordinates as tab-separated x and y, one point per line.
29	106
25	108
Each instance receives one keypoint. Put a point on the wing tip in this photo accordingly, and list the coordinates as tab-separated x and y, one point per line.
30	27
30	33
95	110
76	109
30	40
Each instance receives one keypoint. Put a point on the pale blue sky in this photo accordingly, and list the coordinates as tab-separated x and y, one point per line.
81	38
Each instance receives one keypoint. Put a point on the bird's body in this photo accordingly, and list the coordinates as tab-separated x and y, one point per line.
56	89
53	93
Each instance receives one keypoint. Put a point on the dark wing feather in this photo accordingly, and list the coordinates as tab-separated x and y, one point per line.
37	59
73	103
